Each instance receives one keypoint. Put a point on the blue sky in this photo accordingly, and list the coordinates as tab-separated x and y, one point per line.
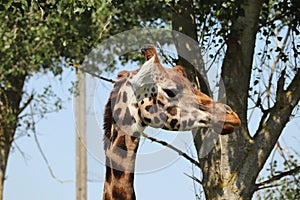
29	178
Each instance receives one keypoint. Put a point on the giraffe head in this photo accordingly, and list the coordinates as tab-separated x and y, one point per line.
164	98
158	97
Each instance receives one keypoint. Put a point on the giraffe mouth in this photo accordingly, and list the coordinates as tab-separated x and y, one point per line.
231	122
228	127
225	127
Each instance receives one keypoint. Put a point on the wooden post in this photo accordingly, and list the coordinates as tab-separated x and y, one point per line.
80	123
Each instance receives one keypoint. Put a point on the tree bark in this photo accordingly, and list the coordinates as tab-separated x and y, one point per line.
237	156
5	144
9	110
225	176
186	42
230	164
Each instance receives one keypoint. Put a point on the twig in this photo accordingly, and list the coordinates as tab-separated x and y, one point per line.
194	178
268	186
268	89
281	152
215	57
181	153
76	66
43	154
105	26
47	162
277	177
21	152
25	104
161	51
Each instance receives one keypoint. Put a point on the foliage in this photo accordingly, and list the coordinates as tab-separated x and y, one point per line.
39	36
278	52
36	35
285	187
147	14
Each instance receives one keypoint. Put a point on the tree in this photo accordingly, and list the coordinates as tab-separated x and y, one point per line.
255	44
40	37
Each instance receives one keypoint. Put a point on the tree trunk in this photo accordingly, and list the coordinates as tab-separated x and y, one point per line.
186	42
225	174
9	110
231	163
5	144
227	170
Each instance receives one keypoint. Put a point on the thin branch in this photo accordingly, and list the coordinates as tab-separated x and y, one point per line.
76	66
21	152
215	57
266	138
263	119
43	154
268	186
196	181
47	162
280	82
181	153
194	178
105	26
25	104
165	57
277	59
281	152
277	177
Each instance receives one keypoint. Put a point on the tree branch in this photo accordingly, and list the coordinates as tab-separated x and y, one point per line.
181	153
76	66
47	162
194	178
261	185
43	154
267	136
267	186
25	104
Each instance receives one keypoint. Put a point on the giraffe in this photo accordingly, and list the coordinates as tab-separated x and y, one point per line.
157	97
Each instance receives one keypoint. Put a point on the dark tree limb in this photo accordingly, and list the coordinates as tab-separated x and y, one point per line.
189	56
193	178
25	104
286	100
262	185
76	66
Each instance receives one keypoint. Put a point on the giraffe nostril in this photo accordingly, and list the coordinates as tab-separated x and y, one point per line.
202	121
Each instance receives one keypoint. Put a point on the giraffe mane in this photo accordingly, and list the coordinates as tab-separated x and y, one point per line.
109	107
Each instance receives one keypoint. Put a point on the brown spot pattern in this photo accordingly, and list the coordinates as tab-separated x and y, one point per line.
172	110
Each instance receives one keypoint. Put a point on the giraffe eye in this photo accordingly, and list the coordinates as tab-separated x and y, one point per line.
170	93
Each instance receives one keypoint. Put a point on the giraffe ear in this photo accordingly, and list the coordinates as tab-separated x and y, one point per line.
145	74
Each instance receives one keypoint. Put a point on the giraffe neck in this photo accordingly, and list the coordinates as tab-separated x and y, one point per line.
121	140
120	165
